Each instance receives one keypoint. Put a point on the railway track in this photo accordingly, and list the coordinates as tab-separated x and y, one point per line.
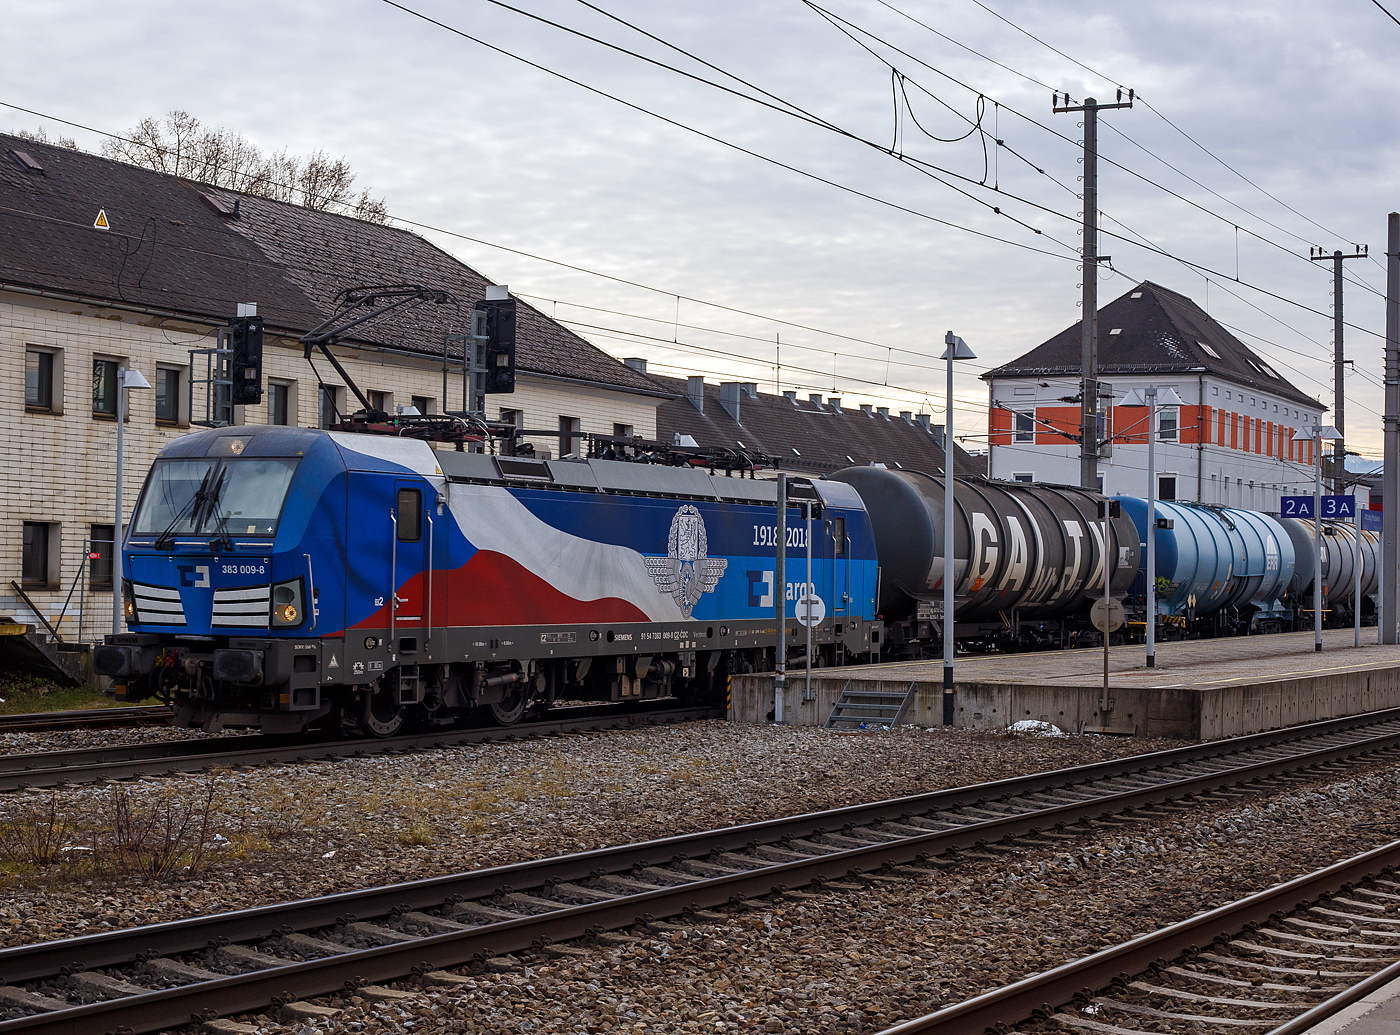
159	976
1280	961
90	719
126	761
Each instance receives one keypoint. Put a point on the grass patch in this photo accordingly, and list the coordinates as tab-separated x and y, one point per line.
23	694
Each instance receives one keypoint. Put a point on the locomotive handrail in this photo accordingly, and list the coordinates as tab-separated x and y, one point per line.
311	591
428	639
393	584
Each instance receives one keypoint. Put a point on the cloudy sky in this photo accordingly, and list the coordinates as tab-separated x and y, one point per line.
1269	126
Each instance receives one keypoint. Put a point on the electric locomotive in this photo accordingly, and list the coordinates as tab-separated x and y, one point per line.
283	578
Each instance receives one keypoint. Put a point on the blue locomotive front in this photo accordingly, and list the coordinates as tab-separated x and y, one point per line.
282	578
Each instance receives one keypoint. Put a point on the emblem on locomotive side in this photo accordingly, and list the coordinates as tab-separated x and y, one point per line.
686	573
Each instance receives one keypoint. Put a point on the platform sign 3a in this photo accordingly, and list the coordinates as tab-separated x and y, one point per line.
1333	507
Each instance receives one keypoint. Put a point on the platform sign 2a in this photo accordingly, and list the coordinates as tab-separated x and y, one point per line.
1333	507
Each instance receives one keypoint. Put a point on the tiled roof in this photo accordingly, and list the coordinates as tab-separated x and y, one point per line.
170	248
1152	329
808	436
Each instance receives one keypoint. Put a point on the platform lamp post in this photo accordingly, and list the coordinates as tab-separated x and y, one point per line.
1319	433
956	349
1152	397
127	377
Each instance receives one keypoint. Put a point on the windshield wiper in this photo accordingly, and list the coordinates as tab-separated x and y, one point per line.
211	507
163	540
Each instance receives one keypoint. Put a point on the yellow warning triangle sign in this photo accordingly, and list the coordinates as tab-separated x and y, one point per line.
100	222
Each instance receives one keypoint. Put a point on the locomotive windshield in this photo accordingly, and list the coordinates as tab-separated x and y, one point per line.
203	496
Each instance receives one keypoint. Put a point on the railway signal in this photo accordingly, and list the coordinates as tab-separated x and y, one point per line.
497	325
245	367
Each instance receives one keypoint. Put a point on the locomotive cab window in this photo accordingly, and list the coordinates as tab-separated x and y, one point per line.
838	532
409	512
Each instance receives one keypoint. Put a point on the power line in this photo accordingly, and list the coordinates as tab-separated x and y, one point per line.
851	190
1387	13
1169	122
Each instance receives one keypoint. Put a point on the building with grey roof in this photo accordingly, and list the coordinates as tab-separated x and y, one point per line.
1239	439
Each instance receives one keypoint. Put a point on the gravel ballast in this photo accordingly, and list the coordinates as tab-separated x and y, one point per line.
292	831
895	948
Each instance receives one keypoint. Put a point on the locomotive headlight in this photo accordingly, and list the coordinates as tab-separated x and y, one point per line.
286	603
128	601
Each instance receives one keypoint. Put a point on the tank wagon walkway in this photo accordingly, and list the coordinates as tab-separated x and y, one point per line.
1200	689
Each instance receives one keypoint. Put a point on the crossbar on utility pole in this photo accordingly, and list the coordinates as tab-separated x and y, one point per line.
1339	452
1089	321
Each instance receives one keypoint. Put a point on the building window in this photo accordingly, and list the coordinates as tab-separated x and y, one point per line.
278	403
1025	426
330	405
104	387
1166	487
1098	484
381	401
1167	418
1027	478
168	395
35	561
38	380
570	441
422	404
625	431
100	546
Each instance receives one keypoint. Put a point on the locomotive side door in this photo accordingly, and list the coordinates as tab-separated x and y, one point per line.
837	590
412	535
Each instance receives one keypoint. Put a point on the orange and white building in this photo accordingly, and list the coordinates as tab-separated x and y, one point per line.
1239	440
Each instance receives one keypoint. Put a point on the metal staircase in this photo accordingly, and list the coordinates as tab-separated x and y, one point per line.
862	709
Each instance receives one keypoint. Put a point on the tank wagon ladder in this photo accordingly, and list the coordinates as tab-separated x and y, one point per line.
860	708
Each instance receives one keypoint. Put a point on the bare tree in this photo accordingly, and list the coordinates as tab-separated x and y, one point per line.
179	144
40	137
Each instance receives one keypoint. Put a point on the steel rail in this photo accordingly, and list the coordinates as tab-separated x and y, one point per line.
94	718
240	993
117	762
1023	999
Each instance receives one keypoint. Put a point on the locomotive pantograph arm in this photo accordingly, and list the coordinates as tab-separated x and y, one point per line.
380	300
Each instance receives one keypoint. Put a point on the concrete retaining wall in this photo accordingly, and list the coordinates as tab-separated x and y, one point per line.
1179	712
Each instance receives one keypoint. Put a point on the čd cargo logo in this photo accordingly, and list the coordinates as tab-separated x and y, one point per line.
686	573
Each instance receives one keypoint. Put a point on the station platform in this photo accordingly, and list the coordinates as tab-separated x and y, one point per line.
1377	1014
1199	690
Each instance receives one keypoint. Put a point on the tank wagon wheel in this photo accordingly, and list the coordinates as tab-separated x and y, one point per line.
382	715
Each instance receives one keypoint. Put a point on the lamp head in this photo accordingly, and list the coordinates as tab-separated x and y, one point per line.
957	348
1325	433
130	377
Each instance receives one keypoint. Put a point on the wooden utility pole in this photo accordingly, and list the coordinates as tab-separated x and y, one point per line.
1089	326
1339	449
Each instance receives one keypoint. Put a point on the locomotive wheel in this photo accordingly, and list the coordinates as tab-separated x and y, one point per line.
382	715
509	711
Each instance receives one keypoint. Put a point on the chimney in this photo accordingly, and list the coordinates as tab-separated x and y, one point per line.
867	409
908	416
938	430
750	388
729	395
815	399
834	402
923	420
637	363
884	411
790	397
695	392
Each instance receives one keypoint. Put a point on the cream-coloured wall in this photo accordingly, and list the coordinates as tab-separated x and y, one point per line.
60	468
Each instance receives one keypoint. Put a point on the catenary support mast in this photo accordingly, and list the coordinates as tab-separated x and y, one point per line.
1089	320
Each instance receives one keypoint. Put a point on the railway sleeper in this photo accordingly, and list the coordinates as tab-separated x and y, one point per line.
1220	979
1250	965
1168	1015
1215	1000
